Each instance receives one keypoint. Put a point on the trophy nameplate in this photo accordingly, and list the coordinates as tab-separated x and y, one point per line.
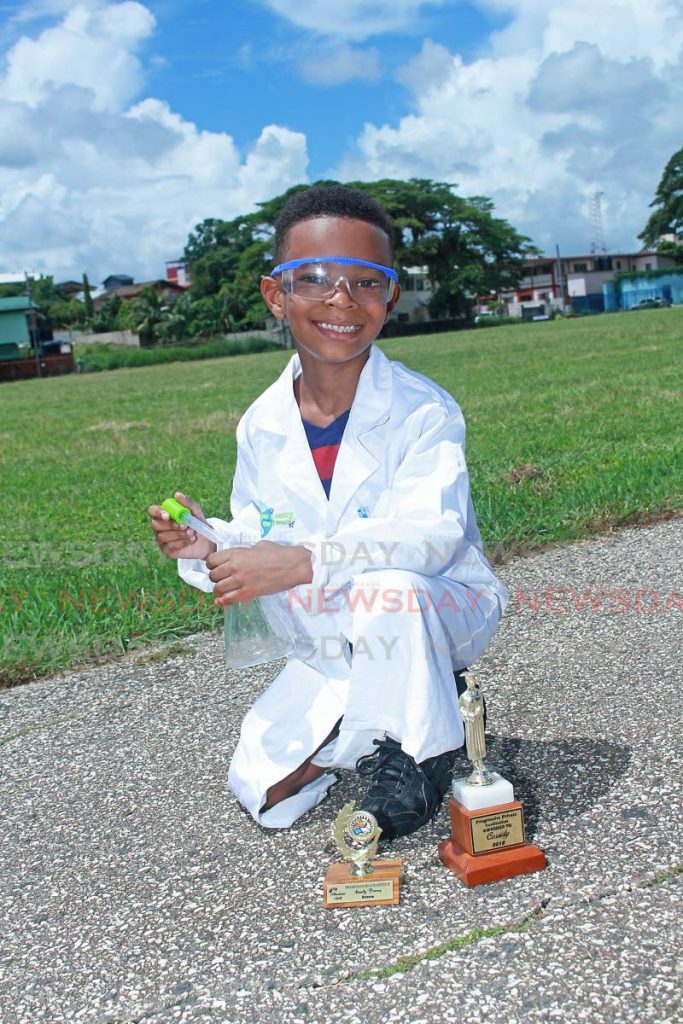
360	882
488	841
499	829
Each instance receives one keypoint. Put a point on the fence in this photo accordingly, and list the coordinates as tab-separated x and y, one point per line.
396	328
629	293
593	303
25	369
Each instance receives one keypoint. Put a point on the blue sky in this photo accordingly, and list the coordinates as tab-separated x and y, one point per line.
234	67
124	123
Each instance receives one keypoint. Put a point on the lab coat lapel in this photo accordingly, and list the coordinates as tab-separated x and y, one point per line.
362	448
360	454
286	442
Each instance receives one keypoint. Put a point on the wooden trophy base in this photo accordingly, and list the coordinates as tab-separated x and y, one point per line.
381	888
488	844
490	867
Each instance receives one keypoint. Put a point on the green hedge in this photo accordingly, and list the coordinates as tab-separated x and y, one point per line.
115	357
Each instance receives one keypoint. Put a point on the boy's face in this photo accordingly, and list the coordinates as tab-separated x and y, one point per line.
337	329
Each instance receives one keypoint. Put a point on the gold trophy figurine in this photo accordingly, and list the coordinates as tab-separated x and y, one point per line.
359	882
487	841
471	706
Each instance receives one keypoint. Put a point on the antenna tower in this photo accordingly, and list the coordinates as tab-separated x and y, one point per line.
597	236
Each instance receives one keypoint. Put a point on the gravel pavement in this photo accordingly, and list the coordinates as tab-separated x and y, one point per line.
134	889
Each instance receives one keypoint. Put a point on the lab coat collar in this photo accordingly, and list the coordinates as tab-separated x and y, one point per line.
360	453
371	404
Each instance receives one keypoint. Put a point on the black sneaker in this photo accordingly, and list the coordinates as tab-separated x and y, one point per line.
403	795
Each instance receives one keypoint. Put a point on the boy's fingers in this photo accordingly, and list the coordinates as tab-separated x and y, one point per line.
156	512
175	536
159	526
219	558
190	503
224	600
224	576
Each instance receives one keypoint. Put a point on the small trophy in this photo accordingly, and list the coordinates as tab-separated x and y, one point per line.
487	824
358	882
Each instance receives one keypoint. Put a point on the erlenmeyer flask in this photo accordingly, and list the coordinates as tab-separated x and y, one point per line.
251	638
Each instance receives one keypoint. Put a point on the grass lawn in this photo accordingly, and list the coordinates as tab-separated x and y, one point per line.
573	427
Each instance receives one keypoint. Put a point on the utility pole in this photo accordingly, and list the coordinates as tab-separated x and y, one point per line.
560	277
31	324
598	239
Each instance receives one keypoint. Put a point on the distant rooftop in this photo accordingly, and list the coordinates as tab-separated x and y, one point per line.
15	303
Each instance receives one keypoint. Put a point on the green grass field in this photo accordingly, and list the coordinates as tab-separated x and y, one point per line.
573	427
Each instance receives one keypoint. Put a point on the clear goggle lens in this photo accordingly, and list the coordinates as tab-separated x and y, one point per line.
319	279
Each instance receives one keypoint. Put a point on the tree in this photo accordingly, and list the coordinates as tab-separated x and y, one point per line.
104	318
468	251
87	298
667	218
148	315
175	323
67	313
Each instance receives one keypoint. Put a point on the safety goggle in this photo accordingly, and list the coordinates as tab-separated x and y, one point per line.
319	277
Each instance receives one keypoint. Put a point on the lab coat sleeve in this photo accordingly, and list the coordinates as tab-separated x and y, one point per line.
243	528
420	520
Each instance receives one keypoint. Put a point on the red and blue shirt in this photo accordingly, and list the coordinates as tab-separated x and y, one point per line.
324	443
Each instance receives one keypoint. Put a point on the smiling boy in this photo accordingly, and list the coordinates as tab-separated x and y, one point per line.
351	468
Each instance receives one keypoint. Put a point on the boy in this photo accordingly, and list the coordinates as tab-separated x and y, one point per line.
351	468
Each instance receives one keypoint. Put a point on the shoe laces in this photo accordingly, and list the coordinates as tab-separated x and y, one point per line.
386	765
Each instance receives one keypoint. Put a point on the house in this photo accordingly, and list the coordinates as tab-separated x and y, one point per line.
14	327
570	282
178	271
416	291
116	281
166	290
21	324
73	289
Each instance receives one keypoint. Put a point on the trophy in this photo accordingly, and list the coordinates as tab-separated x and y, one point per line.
487	824
358	882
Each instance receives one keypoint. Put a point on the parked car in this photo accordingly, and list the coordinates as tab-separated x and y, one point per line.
648	304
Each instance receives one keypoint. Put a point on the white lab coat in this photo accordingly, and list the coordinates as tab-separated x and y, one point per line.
398	572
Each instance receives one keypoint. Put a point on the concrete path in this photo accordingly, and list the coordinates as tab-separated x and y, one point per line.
133	888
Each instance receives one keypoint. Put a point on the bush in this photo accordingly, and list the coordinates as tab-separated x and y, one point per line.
114	357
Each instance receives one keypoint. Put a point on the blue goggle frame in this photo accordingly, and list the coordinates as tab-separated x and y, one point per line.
347	260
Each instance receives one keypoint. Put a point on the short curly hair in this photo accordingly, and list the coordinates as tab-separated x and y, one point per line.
329	201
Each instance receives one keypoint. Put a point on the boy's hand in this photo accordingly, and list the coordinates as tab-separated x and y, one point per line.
175	540
240	574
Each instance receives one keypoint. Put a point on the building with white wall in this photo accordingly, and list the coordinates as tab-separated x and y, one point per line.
416	291
570	281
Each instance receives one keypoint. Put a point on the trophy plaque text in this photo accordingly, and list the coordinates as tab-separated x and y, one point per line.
358	882
487	824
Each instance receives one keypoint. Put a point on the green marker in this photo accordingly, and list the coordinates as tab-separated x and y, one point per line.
181	514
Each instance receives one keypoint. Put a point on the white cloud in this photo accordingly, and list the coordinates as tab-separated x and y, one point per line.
566	100
621	28
94	47
89	182
353	19
341	63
